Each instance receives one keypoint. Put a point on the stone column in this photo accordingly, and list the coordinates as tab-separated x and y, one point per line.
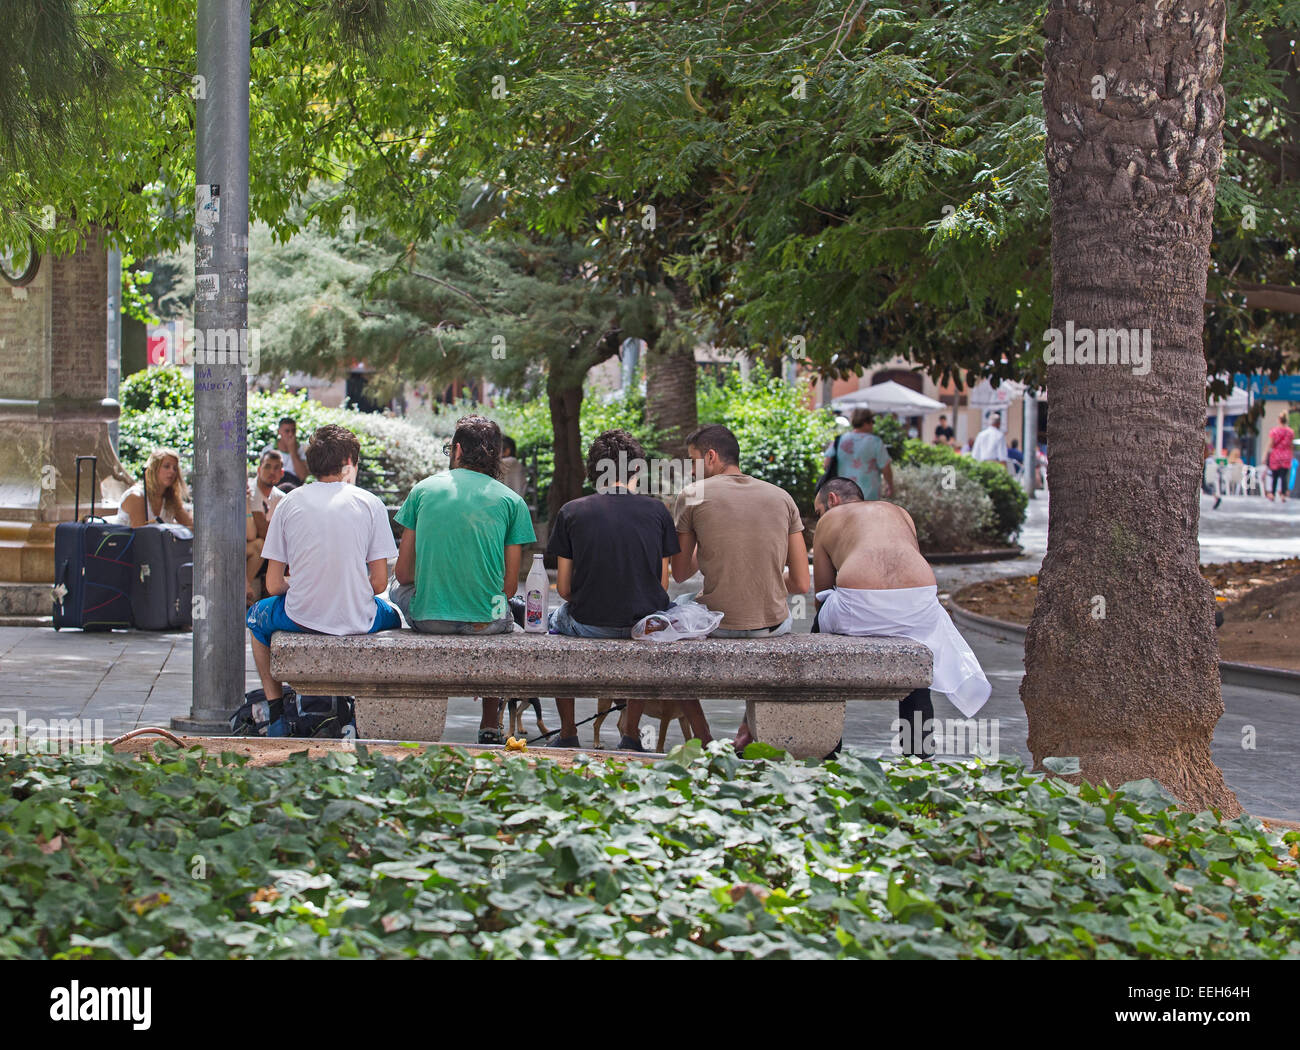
53	380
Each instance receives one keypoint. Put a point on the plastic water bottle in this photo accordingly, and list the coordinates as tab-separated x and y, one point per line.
536	590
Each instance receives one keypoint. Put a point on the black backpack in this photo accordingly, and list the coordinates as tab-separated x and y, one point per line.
331	717
833	471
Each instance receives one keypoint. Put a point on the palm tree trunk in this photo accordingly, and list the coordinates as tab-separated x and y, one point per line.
566	480
1121	657
670	373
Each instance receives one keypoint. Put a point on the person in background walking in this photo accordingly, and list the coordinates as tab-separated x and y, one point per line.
1016	457
1280	439
990	445
862	457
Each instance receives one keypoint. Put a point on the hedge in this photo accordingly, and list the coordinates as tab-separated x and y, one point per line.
700	855
158	410
1010	501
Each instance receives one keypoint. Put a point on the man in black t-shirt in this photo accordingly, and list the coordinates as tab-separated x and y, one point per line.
612	552
943	433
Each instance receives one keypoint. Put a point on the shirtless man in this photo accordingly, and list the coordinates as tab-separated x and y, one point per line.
871	579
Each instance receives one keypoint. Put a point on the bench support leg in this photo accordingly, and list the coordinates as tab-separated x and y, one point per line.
401	718
804	730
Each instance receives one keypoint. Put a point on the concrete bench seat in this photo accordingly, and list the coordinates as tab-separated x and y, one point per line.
795	686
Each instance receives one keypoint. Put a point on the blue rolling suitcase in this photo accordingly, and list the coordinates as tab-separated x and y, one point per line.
162	582
92	568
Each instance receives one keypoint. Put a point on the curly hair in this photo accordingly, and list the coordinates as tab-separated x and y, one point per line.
332	447
175	494
480	445
604	455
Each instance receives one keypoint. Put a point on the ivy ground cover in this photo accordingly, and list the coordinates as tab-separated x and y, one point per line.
443	854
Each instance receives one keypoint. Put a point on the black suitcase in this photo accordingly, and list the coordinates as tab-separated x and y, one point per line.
92	568
162	582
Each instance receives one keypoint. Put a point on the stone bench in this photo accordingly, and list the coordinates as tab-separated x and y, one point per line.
795	686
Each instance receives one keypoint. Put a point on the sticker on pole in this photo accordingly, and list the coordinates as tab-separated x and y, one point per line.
207	208
206	286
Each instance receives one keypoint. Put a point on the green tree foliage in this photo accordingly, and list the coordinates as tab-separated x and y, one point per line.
331	97
781	441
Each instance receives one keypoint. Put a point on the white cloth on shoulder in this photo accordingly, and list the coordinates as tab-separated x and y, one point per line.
914	613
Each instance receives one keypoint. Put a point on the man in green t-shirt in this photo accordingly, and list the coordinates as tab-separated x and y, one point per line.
458	562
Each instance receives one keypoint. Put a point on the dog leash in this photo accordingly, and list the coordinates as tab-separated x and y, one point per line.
553	732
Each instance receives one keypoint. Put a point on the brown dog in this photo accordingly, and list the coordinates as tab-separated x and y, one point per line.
664	710
517	710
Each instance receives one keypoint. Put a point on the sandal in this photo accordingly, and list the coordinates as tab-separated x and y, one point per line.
565	741
491	736
630	743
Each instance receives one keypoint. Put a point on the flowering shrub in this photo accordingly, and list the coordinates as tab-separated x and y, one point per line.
951	511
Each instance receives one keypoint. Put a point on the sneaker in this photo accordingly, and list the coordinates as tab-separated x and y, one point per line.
629	743
491	736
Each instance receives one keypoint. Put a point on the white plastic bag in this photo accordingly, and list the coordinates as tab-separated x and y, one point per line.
684	620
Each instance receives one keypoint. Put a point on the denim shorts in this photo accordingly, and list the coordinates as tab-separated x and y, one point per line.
562	622
268	616
401	594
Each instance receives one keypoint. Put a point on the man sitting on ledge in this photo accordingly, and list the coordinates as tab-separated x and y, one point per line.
612	552
746	537
459	558
872	580
337	540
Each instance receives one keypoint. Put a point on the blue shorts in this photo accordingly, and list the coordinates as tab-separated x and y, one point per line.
268	616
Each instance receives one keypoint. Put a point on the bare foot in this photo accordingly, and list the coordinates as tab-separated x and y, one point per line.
743	738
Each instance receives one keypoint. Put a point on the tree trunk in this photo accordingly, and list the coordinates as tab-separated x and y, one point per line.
1121	657
570	470
670	373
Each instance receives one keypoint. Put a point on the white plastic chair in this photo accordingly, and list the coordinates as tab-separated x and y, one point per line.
1235	473
1250	480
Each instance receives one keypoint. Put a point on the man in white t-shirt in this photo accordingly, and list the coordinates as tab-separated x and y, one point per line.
990	443
337	541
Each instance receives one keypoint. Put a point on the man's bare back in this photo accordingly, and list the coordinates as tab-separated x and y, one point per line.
868	545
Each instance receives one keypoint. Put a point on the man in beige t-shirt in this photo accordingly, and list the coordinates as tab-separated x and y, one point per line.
741	533
745	536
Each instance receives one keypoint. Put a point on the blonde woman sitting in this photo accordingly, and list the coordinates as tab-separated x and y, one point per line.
168	496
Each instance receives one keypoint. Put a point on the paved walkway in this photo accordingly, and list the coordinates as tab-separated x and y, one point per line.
137	678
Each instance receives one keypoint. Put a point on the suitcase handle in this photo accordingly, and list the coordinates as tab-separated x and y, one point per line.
76	512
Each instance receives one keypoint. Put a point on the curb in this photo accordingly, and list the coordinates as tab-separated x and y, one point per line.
1248	676
971	557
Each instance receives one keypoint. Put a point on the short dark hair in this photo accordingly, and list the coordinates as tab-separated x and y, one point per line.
290	420
330	449
270	453
942	416
605	449
1015	443
714	437
508	446
480	445
861	417
846	488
